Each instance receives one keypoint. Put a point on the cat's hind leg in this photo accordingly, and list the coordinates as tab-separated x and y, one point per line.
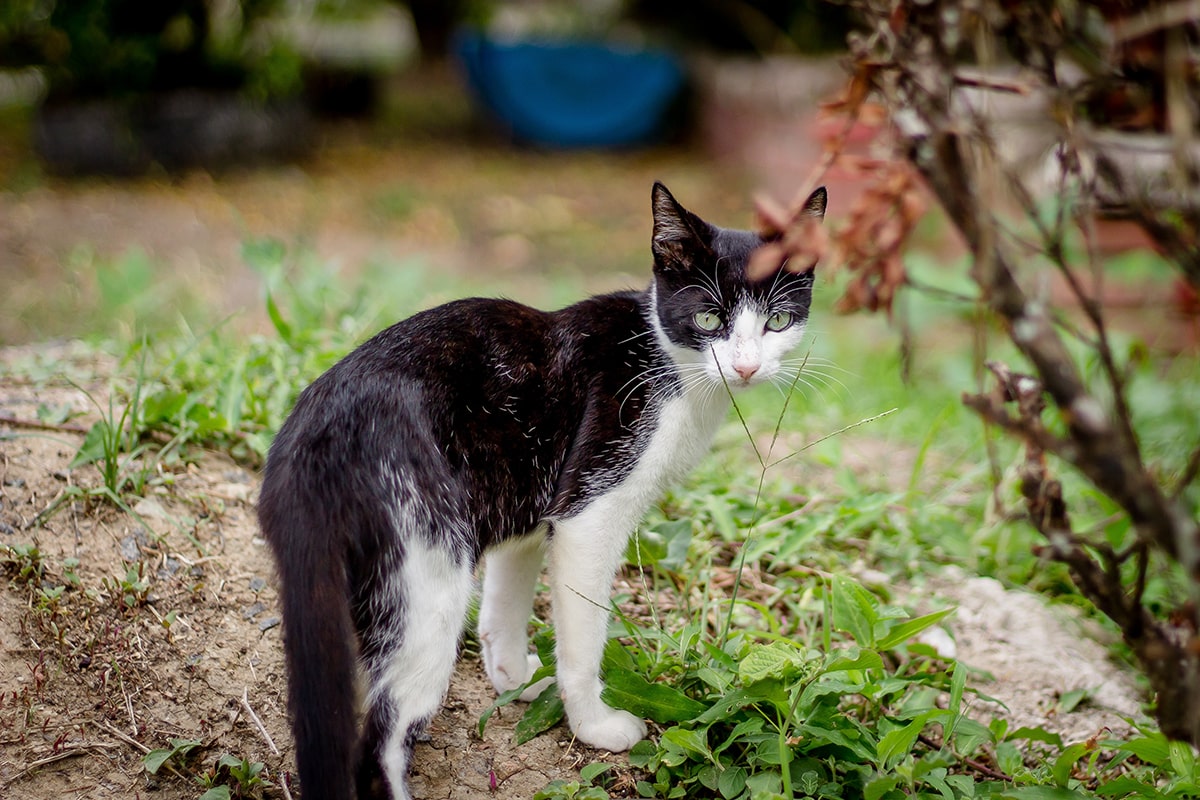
509	583
409	665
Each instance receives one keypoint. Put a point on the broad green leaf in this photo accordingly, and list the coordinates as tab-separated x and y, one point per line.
1008	757
963	784
94	445
1126	785
1153	749
543	713
904	631
630	691
691	741
731	782
896	744
1183	760
854	610
593	771
154	760
1036	735
642	753
1065	763
937	779
879	786
969	735
216	793
775	660
855	658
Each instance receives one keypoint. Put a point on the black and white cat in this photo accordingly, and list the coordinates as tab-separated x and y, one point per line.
485	429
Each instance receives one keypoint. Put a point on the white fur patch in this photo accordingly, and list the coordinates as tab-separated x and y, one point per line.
435	592
751	354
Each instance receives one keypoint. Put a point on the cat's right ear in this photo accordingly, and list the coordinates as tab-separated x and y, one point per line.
679	235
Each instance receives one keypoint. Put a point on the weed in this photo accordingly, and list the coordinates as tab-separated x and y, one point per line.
582	789
173	758
24	561
131	591
233	778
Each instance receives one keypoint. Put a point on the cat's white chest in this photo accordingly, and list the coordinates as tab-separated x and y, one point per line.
681	438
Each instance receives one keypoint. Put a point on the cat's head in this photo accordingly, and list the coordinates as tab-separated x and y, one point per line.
717	324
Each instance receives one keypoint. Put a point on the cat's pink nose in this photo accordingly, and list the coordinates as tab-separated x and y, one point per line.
746	371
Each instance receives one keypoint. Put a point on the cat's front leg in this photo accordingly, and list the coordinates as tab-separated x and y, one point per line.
585	552
509	580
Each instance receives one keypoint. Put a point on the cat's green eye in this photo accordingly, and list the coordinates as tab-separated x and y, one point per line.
779	320
707	321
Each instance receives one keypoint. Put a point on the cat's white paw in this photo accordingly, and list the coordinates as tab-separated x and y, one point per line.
505	677
610	729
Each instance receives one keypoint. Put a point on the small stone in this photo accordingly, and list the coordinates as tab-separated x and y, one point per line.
253	611
257	584
268	623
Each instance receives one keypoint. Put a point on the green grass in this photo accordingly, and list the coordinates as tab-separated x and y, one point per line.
775	674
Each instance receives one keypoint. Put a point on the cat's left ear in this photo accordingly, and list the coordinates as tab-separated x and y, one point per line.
814	206
679	235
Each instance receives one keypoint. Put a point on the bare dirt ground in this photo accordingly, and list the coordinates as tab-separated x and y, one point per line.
167	626
93	678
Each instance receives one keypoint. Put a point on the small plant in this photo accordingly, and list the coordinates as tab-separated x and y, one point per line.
582	789
173	758
24	561
233	779
131	591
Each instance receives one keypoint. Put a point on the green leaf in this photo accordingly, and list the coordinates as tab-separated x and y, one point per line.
543	713
95	445
1036	735
1126	785
593	771
879	786
154	760
731	782
504	699
216	793
642	753
1069	701
628	690
854	658
1065	763
854	610
690	741
1008	757
904	631
1183	760
775	660
1153	749
958	683
281	325
969	735
897	744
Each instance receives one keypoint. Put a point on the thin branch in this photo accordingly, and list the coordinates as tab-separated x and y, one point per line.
258	723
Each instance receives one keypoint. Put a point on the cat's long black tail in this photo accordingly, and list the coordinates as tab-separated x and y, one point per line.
319	644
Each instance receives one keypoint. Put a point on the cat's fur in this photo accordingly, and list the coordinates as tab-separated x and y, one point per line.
488	429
